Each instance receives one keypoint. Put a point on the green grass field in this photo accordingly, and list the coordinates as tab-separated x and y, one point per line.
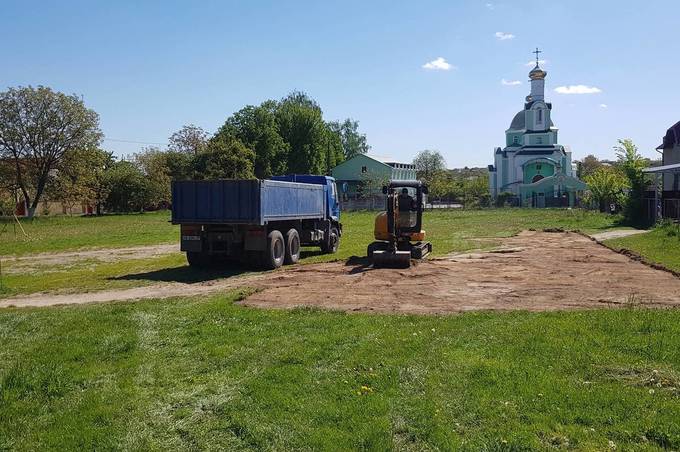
63	233
661	245
204	373
449	230
196	374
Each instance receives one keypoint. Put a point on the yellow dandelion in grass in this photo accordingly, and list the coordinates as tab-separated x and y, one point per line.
365	390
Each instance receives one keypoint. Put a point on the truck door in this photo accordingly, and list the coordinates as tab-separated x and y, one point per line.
333	203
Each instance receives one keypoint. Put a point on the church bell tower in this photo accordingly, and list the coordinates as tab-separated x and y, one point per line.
537	78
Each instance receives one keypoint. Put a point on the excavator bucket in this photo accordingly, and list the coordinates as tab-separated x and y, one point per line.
391	259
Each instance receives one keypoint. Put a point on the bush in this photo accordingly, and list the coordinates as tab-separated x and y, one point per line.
503	198
130	189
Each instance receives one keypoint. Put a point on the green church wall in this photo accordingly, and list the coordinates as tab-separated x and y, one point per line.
532	170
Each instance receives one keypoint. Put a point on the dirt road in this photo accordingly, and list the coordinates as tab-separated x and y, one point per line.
24	264
535	271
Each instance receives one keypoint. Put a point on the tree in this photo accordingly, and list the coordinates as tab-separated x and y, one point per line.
588	166
258	130
441	184
475	191
353	142
302	127
428	164
632	163
154	164
81	178
128	188
190	139
38	127
333	152
224	158
607	185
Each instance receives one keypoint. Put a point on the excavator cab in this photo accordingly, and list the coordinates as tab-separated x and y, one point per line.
398	232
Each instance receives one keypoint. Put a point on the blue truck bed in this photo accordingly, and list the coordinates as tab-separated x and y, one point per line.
256	202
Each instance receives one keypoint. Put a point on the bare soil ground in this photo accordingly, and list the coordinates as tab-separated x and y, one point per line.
27	263
535	271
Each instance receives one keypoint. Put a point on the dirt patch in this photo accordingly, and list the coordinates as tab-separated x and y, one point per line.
31	262
536	271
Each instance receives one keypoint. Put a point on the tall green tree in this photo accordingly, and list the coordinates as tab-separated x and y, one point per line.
128	188
632	163
302	127
38	126
607	185
81	177
190	139
257	128
588	166
154	164
353	142
225	157
428	164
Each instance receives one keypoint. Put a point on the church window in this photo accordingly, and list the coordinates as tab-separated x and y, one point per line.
364	169
515	139
540	116
539	140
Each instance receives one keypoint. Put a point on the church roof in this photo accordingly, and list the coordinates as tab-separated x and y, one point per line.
518	121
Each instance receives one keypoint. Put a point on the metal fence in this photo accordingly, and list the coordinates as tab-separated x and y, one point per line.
669	208
366	203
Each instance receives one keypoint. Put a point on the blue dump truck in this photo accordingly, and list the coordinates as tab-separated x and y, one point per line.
264	222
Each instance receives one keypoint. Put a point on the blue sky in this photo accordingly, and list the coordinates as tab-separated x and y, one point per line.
149	67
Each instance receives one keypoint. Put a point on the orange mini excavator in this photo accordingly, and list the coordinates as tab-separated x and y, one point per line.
399	236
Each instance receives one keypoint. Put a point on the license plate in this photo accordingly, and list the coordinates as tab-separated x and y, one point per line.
191	237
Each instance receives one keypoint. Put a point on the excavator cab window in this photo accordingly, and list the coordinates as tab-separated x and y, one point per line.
407	207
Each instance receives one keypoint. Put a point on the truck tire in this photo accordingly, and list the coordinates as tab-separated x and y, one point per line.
292	247
275	253
330	244
199	259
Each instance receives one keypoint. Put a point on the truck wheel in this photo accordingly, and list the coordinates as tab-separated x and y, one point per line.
275	253
330	244
292	247
198	259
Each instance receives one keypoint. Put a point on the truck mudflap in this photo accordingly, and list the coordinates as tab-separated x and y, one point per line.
191	238
255	240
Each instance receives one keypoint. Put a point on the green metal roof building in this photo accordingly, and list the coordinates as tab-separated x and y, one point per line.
365	172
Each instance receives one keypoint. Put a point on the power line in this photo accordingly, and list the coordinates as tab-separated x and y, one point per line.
134	142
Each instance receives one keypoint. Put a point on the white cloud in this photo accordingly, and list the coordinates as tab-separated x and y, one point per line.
604	106
439	64
504	36
577	89
490	6
510	82
532	63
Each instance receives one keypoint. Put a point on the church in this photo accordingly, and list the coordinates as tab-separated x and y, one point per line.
533	170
